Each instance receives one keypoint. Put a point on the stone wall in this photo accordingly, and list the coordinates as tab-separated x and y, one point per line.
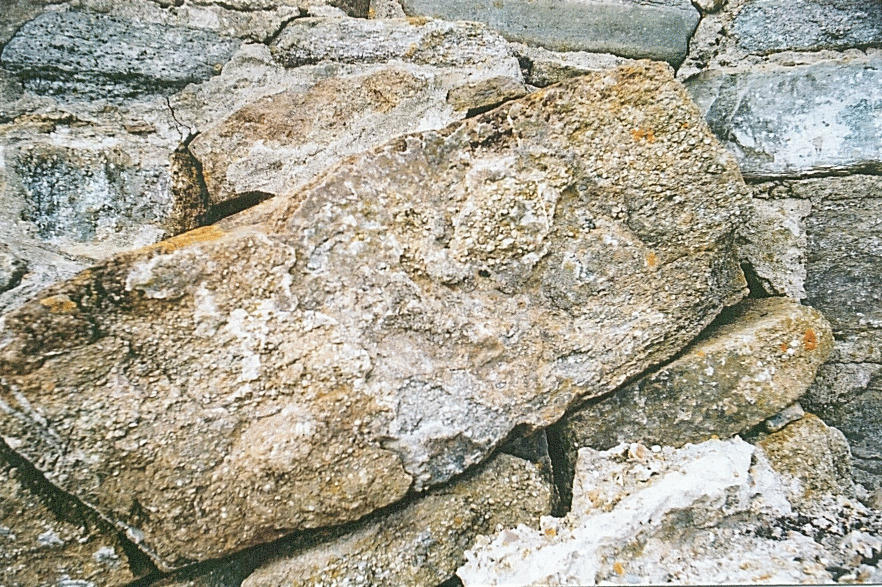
792	89
319	291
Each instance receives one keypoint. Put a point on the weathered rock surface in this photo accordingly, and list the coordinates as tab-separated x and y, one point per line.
307	41
46	543
861	421
750	33
87	56
542	67
815	455
631	28
812	118
733	378
709	513
773	241
423	543
581	234
810	25
281	141
838	218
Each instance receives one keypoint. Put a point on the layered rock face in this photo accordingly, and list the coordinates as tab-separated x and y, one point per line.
342	292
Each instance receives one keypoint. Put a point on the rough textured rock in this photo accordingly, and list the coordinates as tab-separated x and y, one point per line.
709	513
12	268
843	280
307	41
810	25
813	118
542	67
733	378
282	141
46	541
709	6
87	56
750	33
423	543
843	272
813	454
791	413
182	389
386	9
632	28
773	241
861	422
255	22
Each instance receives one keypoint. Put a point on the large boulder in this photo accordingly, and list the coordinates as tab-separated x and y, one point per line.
387	327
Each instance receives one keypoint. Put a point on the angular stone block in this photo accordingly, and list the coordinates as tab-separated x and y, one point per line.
92	56
631	28
387	326
767	26
422	543
815	118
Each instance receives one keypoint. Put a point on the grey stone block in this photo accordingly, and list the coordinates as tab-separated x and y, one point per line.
653	29
767	26
785	121
88	56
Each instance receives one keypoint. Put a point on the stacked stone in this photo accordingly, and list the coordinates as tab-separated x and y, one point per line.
331	387
792	88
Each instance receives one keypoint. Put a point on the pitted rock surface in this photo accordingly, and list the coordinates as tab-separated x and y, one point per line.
387	327
734	377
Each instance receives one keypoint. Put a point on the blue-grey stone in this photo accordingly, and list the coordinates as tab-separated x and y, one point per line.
807	119
88	56
653	29
768	26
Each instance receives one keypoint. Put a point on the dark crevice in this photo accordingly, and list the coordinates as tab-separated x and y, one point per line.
275	34
68	508
755	287
472	112
562	476
868	168
557	442
453	581
235	205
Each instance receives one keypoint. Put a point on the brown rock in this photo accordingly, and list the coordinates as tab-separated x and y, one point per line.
759	362
815	455
46	539
423	543
388	326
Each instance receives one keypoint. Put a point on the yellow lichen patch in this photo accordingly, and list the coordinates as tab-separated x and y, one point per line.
643	134
619	568
199	235
651	260
810	340
59	304
417	20
783	347
550	532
